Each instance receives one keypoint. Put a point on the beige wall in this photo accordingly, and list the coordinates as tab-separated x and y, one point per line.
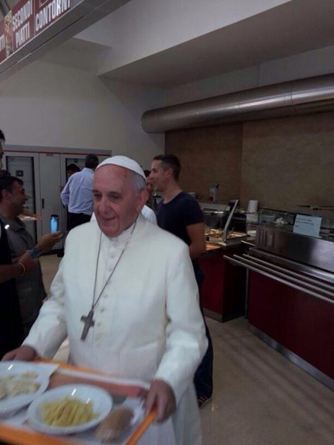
281	162
289	161
210	155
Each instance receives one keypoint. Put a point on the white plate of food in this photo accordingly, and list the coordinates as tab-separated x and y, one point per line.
69	409
20	384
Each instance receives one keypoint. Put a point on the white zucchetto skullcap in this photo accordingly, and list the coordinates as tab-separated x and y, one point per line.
124	161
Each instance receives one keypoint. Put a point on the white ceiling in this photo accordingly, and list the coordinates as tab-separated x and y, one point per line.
77	54
292	28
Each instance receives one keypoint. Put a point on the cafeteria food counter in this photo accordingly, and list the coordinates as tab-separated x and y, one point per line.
223	289
290	297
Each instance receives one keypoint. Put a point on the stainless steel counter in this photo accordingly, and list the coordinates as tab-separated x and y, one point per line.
314	252
300	262
283	271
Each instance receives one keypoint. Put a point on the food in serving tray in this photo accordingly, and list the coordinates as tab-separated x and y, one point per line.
17	384
116	422
29	375
214	233
67	411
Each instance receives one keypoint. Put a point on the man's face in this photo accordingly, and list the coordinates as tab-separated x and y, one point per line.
16	198
149	186
159	177
116	202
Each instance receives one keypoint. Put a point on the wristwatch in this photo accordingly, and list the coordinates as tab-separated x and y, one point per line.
35	252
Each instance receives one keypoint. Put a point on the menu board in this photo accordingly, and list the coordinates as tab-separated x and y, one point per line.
307	225
27	19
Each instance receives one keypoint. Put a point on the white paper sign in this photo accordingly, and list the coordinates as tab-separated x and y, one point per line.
307	225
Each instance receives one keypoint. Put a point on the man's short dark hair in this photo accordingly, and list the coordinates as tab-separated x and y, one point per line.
92	161
2	136
6	183
73	168
170	161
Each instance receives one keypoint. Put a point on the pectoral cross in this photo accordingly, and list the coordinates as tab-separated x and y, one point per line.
88	323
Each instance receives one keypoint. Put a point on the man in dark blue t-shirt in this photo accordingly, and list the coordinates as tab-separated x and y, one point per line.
179	213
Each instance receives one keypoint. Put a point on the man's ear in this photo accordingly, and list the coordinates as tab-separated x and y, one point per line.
169	171
4	194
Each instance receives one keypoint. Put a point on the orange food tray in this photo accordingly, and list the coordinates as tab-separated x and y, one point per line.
74	374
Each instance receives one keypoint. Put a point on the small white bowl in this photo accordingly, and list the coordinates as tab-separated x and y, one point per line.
101	403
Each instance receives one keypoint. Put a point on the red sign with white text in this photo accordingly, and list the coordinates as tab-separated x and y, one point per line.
22	23
47	11
27	19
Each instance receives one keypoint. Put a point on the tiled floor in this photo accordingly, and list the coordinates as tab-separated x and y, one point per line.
260	398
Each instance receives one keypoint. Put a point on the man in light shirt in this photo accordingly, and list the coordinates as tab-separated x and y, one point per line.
77	194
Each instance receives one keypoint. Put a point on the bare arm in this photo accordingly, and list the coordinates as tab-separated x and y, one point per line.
23	264
46	242
197	239
9	271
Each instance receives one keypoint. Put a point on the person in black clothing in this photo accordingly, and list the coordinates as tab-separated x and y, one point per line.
11	330
29	285
180	214
11	326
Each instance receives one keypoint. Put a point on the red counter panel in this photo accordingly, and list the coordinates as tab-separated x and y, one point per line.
224	286
299	322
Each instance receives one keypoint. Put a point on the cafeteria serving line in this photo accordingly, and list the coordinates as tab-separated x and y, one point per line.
242	92
260	398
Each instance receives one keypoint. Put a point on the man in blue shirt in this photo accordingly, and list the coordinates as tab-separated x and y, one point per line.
77	194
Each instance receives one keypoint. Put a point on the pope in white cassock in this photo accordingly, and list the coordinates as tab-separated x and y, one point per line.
126	296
